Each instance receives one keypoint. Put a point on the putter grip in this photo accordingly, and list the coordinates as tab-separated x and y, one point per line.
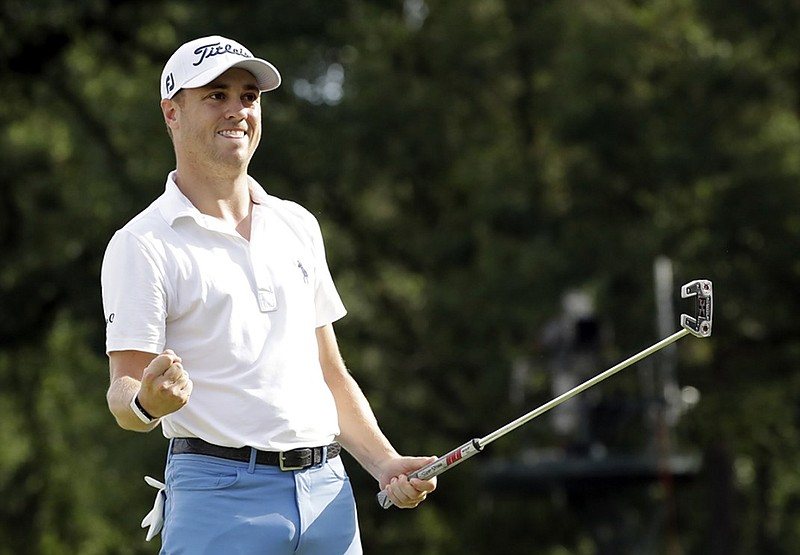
454	457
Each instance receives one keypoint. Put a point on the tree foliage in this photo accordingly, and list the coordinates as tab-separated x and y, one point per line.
470	161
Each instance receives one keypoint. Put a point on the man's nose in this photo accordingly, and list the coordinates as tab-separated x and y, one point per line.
236	108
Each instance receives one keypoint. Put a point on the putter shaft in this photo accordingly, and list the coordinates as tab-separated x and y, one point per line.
699	326
524	419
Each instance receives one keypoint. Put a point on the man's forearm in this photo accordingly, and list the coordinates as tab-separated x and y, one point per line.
360	434
119	396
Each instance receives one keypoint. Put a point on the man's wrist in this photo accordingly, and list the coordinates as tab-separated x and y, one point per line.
140	411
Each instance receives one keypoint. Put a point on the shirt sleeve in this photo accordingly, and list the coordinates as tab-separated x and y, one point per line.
328	303
134	296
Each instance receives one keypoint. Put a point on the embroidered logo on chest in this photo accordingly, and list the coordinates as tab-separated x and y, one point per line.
303	271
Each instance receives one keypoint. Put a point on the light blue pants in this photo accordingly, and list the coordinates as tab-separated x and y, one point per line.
216	506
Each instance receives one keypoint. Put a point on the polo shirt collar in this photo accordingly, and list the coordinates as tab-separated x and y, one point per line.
257	193
174	205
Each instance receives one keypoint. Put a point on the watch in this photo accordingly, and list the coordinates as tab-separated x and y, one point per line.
139	411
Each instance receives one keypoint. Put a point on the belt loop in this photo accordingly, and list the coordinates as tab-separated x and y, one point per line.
251	468
324	456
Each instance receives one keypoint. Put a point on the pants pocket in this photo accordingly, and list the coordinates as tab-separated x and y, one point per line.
198	472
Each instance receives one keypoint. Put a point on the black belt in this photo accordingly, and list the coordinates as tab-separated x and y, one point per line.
296	459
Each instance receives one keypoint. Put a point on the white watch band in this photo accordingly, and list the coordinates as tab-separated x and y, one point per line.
137	409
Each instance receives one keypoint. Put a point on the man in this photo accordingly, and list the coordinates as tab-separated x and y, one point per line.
220	305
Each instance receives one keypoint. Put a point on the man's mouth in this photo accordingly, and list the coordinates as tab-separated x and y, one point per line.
232	133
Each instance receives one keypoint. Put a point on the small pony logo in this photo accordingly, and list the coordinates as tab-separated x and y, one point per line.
305	274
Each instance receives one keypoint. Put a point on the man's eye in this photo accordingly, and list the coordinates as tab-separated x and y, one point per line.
217	96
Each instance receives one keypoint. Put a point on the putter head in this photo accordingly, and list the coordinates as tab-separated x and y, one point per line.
700	324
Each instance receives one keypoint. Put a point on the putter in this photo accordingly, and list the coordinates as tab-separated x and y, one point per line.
699	325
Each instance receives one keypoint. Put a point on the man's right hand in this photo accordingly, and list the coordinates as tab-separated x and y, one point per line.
166	386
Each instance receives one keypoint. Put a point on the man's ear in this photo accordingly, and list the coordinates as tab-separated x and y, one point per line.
170	110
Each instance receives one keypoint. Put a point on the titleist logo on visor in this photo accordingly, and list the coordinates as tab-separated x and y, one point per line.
211	50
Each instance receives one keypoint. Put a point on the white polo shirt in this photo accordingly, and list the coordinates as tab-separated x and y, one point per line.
241	314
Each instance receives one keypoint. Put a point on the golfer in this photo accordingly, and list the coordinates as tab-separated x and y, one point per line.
220	308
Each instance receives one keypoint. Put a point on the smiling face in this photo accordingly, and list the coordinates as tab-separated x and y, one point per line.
217	126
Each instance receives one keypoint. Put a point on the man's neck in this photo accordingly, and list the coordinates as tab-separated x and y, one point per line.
222	196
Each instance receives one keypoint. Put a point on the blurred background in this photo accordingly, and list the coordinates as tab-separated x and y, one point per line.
512	193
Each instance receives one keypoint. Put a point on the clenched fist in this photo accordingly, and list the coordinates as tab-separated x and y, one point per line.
166	386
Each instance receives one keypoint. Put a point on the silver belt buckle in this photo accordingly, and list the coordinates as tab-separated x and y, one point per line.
282	463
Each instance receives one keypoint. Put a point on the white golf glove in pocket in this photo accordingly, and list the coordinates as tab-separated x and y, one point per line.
155	518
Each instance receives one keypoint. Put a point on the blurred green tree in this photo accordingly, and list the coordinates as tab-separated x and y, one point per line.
469	161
